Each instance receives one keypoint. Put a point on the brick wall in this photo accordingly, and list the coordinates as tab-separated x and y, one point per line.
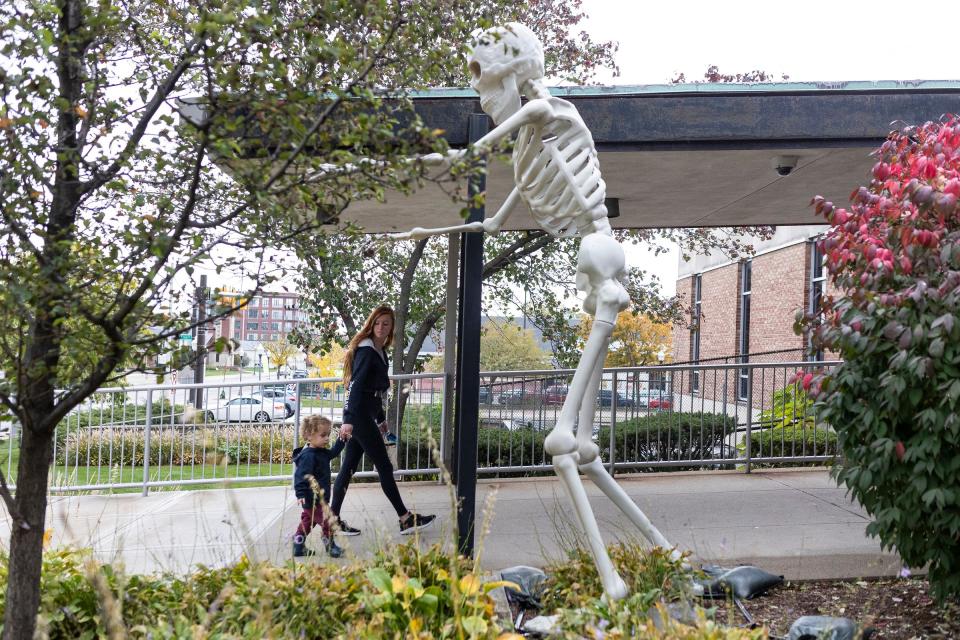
681	333
779	289
779	292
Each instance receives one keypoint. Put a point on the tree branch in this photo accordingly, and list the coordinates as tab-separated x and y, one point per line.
11	504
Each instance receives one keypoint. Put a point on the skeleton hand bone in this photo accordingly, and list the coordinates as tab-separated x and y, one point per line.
439	158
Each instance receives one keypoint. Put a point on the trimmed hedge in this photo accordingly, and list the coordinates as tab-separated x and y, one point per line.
669	436
125	446
800	439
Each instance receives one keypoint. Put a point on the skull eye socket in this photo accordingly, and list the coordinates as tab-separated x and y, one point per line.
474	68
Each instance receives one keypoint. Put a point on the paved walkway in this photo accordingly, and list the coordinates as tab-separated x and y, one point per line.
794	522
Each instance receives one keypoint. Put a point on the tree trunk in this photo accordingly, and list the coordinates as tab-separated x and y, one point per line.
26	541
42	354
400	314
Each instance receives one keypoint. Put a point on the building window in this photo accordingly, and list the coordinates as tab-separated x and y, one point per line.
746	275
253	313
277	314
255	302
251	326
695	332
251	337
275	326
818	280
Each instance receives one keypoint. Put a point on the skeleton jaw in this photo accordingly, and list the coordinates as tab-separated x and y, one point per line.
499	100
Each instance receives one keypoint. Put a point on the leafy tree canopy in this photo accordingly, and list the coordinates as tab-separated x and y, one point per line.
637	340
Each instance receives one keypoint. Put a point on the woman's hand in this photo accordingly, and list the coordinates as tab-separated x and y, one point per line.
346	431
383	426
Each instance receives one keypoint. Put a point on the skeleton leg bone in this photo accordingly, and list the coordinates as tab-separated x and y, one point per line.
562	445
601	262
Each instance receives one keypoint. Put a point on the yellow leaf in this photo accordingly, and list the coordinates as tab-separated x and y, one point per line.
442	574
5	123
490	586
398	583
510	635
47	537
416	624
469	584
80	111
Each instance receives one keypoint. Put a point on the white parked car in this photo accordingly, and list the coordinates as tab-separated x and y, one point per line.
249	409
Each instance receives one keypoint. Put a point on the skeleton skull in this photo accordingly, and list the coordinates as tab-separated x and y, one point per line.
501	60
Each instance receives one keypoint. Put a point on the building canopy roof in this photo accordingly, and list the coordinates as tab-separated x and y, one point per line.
697	155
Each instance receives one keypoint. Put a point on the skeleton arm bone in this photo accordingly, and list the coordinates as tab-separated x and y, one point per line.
490	225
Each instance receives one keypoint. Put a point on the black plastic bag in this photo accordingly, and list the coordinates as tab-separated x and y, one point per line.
530	580
743	582
826	628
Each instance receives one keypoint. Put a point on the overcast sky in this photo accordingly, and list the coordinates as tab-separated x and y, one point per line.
808	40
812	40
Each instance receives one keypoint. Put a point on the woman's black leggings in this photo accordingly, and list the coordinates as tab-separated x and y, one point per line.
366	439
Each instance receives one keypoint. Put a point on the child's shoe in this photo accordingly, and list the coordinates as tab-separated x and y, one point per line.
300	549
333	550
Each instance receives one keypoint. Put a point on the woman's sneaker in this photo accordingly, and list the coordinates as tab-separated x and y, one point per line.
345	529
415	522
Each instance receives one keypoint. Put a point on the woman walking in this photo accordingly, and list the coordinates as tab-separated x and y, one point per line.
365	372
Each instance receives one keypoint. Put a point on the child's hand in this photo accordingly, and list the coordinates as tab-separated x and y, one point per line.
300	500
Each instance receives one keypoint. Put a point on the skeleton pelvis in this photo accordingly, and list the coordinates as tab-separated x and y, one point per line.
600	267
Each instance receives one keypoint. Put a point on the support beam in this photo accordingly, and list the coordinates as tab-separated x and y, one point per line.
468	360
450	350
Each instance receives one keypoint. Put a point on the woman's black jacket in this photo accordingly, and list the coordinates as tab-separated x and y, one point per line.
368	382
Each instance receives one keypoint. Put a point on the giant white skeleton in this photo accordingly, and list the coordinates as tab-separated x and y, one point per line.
558	176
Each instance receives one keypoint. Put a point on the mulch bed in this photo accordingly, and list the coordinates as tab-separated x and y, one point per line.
895	607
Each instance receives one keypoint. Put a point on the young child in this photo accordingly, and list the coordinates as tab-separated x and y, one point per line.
312	462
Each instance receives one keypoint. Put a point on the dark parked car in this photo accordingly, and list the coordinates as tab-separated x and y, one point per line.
486	396
605	399
517	397
299	373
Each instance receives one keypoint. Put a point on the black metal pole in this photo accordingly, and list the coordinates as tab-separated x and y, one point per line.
468	360
201	339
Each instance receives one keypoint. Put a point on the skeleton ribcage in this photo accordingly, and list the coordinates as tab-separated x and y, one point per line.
558	174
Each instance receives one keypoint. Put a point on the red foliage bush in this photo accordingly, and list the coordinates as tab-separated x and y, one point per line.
895	255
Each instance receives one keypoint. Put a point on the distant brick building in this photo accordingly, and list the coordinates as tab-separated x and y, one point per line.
268	317
744	310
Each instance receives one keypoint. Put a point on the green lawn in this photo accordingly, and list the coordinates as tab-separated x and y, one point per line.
320	403
63	475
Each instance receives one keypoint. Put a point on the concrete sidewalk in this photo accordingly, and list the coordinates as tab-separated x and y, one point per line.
793	522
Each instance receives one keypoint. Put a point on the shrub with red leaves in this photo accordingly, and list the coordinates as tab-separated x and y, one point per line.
895	255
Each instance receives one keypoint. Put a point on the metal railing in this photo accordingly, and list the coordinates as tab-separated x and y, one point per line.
646	418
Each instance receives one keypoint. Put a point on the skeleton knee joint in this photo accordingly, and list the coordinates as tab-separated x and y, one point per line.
559	442
588	453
